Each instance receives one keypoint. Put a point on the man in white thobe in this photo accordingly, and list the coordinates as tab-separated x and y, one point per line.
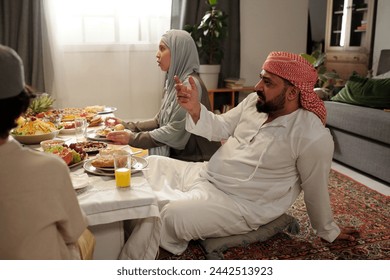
277	146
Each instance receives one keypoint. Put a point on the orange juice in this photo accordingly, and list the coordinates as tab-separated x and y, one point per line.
122	177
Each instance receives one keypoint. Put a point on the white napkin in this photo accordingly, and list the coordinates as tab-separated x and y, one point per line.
79	181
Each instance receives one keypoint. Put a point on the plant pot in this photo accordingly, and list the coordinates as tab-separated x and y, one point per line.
323	93
209	75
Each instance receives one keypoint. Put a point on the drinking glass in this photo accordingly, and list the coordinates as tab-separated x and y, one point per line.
122	165
80	125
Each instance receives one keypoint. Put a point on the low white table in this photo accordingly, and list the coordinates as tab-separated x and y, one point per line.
106	207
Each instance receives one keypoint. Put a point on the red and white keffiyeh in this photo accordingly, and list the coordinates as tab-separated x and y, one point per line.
301	74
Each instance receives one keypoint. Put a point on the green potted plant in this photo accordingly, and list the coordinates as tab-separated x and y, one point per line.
329	82
208	36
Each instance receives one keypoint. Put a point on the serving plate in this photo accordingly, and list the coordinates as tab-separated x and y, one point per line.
107	110
68	131
90	147
107	169
93	136
134	165
77	163
138	164
35	139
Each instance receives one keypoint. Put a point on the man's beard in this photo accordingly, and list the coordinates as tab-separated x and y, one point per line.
276	104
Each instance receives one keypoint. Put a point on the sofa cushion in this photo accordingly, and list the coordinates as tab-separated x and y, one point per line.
361	153
363	121
213	246
365	92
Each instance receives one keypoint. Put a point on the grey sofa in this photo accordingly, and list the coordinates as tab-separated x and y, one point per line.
362	138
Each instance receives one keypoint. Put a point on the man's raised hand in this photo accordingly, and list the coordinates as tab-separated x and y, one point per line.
187	97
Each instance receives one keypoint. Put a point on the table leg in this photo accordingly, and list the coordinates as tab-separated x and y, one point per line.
109	240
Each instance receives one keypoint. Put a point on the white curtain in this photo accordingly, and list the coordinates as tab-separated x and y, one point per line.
102	52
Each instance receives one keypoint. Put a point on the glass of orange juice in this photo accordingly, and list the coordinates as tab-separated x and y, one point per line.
122	165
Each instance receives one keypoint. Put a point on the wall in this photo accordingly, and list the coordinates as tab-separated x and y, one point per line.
270	25
382	38
317	9
132	82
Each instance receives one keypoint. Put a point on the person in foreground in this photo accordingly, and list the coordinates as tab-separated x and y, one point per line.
39	214
165	134
277	146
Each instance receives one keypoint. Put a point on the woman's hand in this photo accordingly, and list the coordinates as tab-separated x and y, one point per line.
111	121
121	137
187	97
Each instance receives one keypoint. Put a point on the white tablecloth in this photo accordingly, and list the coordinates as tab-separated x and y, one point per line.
106	207
104	203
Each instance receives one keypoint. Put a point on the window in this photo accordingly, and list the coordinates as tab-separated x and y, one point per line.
97	22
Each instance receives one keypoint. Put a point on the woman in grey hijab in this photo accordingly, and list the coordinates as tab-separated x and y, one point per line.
165	134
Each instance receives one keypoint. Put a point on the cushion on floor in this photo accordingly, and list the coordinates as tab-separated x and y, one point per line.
214	246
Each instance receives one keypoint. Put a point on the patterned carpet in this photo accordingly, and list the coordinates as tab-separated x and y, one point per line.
353	204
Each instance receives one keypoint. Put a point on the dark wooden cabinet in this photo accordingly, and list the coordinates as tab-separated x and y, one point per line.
349	36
